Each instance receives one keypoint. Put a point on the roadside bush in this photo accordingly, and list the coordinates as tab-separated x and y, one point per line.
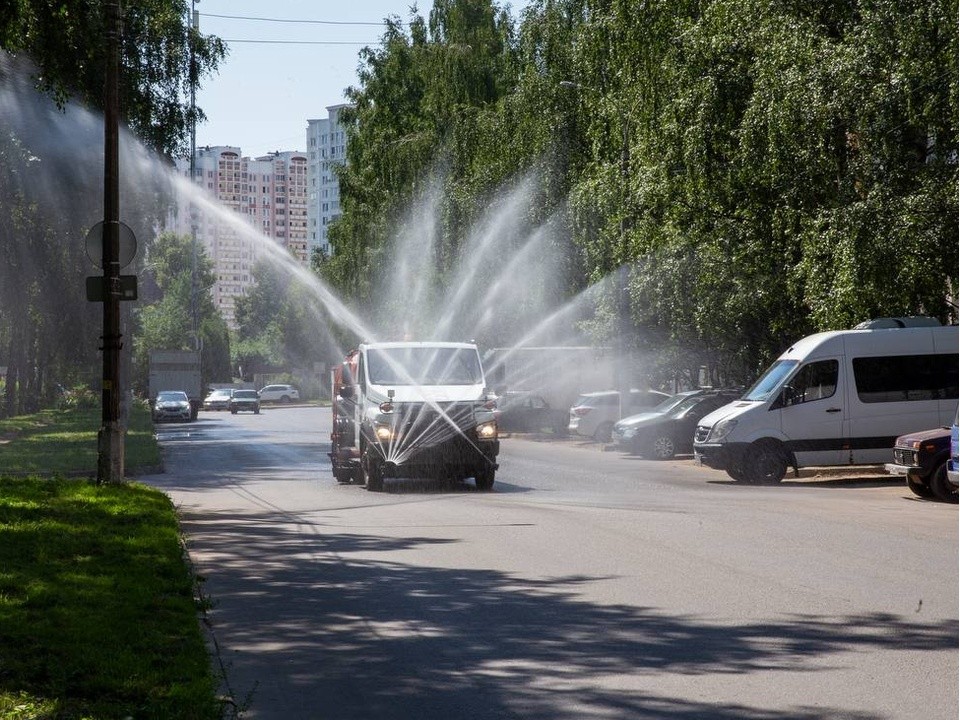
79	397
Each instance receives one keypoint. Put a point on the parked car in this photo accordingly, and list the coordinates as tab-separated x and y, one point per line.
921	457
217	400
245	401
594	414
171	405
668	429
522	411
279	393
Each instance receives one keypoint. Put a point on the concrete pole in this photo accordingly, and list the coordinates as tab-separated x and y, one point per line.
110	448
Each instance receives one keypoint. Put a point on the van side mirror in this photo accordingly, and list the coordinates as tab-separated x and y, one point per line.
348	392
786	398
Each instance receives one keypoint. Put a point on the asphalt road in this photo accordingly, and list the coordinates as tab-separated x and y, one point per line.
588	584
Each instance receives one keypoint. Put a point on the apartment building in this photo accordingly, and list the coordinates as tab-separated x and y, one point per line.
326	149
269	192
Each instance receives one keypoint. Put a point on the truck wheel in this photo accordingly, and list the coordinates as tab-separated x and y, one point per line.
371	473
940	484
918	487
768	465
484	478
344	476
661	448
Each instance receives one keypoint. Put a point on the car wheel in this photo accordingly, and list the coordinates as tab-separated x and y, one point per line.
233	411
603	432
918	487
285	399
256	411
941	486
484	478
768	467
661	448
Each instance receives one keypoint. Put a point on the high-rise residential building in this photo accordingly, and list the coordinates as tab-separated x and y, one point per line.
270	192
326	149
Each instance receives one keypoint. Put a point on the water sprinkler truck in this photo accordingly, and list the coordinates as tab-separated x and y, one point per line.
413	410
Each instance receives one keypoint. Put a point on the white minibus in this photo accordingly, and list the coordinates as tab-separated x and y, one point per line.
835	398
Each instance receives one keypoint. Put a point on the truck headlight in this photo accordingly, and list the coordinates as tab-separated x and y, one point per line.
722	429
384	433
487	430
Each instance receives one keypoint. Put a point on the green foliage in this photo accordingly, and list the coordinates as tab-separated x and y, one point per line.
66	41
49	333
167	323
277	325
79	397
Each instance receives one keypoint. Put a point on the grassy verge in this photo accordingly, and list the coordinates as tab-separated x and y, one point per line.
98	617
65	441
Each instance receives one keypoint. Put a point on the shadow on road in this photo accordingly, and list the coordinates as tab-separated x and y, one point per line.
386	639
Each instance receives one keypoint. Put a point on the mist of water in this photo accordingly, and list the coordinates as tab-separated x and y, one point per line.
499	286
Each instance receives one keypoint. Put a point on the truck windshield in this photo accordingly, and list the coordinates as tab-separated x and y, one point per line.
424	366
770	382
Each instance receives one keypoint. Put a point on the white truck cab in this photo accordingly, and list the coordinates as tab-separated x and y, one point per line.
835	398
413	409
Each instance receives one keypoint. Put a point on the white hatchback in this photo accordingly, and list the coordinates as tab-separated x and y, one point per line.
279	393
594	414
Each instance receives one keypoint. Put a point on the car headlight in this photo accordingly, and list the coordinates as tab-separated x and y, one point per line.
384	433
487	430
722	429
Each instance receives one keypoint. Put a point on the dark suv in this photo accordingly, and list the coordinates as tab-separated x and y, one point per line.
247	400
922	457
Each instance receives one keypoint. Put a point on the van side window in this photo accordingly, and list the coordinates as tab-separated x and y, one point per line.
813	381
905	378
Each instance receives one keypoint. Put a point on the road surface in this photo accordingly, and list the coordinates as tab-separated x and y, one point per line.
588	584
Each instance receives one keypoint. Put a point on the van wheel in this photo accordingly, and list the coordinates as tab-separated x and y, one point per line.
662	448
918	487
768	467
941	486
735	471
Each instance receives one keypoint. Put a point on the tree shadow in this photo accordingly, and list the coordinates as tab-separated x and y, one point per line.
381	638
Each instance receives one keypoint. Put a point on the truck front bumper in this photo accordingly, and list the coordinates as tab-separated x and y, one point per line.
456	457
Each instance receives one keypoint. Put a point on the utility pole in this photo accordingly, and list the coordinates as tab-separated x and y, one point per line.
110	447
194	302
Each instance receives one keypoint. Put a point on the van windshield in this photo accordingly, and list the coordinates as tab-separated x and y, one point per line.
424	366
771	381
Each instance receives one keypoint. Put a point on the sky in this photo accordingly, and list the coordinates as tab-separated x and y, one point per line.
264	93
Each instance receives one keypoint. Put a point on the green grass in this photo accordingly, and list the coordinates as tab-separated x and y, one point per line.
98	615
65	441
